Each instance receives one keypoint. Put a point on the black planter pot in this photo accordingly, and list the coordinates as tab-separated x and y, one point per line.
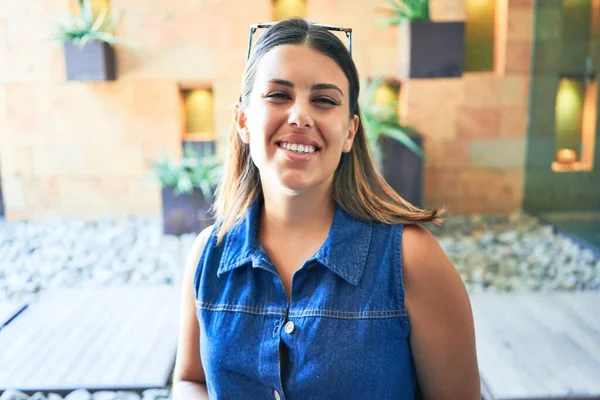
403	169
185	213
431	49
93	62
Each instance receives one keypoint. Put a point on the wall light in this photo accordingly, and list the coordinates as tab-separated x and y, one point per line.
283	9
576	113
479	35
198	113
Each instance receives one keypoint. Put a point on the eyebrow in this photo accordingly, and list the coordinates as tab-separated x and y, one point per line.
317	86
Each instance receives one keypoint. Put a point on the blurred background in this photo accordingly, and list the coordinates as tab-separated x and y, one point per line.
112	115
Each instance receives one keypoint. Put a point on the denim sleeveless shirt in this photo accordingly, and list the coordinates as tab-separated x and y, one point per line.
345	329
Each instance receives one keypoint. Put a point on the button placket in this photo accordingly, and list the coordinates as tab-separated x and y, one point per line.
277	326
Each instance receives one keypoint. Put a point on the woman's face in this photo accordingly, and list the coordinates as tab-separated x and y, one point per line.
298	121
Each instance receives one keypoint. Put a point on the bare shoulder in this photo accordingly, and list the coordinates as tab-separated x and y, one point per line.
196	249
422	255
201	240
417	239
428	273
442	335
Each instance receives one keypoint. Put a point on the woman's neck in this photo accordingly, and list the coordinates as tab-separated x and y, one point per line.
299	214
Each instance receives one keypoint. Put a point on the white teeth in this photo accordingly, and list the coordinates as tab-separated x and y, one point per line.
299	148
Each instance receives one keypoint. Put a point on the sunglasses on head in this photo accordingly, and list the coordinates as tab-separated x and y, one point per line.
266	25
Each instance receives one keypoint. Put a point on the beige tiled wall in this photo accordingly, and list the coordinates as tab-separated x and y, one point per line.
475	127
80	150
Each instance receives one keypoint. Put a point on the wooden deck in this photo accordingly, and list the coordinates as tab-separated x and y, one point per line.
538	345
121	338
10	310
529	346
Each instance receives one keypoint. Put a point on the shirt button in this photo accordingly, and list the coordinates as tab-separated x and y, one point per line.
289	327
276	394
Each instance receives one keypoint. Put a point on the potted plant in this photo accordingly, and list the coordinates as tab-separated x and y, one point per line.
88	39
397	149
188	187
427	49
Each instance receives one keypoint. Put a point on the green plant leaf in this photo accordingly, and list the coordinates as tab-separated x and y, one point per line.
191	171
382	119
399	134
85	10
401	11
86	27
99	22
84	40
105	37
205	189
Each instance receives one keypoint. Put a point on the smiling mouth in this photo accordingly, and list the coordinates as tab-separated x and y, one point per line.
298	148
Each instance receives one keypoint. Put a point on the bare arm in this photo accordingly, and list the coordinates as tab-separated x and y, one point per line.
442	330
189	382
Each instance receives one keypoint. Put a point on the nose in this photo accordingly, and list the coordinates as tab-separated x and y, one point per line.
300	115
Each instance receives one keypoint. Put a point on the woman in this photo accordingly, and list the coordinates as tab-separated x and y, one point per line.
317	281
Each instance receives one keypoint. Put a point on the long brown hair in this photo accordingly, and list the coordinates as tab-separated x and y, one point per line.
358	187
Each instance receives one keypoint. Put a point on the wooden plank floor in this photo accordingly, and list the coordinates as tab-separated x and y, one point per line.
109	338
538	345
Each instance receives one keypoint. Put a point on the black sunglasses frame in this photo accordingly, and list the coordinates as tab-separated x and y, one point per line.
266	25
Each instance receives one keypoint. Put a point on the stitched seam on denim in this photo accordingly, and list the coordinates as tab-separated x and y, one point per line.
319	256
207	303
363	254
238	262
398	233
225	252
349	314
341	270
335	316
235	262
398	264
400	230
343	312
240	308
240	311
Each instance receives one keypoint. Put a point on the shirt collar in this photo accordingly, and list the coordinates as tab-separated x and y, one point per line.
344	251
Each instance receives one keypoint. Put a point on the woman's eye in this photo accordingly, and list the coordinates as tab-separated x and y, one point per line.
278	95
326	100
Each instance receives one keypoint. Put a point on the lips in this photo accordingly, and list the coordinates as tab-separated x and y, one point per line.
299	139
300	148
295	156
